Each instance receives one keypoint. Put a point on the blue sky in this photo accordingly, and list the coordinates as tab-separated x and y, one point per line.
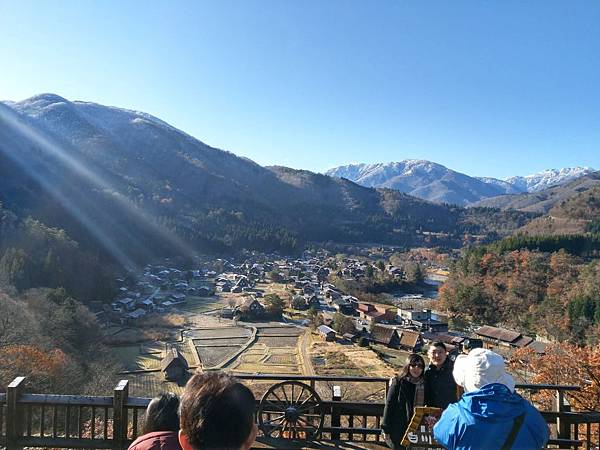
489	88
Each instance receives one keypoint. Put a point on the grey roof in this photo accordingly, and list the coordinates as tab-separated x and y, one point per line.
173	356
324	329
497	333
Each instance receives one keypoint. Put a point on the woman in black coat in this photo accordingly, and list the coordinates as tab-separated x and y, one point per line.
406	391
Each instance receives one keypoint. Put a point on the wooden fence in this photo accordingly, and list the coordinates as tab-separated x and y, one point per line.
112	422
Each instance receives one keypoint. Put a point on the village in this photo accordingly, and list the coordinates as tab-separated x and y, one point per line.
268	314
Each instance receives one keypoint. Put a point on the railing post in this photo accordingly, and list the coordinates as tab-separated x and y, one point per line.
13	419
121	393
562	428
335	411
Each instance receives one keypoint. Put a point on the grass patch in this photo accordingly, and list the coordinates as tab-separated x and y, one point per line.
131	358
395	358
199	305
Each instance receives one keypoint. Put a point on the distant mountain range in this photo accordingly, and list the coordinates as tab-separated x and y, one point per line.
130	185
543	201
434	182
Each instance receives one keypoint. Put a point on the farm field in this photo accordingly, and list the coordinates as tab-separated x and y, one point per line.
395	358
212	356
335	359
280	331
206	342
261	359
151	384
276	341
219	332
132	359
200	305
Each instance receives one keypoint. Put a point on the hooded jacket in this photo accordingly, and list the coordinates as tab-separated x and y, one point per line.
158	440
482	419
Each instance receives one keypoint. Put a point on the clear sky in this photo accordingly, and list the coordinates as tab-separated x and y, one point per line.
488	88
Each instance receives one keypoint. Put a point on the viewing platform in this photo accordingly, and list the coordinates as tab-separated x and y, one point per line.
113	422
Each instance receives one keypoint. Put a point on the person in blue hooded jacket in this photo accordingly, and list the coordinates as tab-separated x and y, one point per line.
489	415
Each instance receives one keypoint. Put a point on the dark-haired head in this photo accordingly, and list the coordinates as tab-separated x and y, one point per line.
162	414
217	412
437	354
440	344
415	361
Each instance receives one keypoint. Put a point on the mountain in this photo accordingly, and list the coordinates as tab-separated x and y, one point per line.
544	200
127	186
424	179
547	178
434	182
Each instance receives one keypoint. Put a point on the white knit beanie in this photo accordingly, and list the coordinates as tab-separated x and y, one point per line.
481	367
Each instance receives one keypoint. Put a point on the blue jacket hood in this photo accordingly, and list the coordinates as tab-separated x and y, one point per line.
482	419
493	403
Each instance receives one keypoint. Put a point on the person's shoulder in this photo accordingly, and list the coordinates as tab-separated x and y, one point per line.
156	440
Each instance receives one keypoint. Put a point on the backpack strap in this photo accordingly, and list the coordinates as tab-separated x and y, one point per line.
513	432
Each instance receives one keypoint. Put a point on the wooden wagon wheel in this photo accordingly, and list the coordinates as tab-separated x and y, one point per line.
291	410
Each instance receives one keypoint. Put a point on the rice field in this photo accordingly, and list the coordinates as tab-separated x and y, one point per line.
292	331
273	341
228	341
222	332
151	384
212	356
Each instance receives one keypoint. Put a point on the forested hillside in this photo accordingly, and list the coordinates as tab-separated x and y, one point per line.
553	293
54	340
114	186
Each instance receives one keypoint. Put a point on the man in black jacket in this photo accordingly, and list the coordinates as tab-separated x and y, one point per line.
440	388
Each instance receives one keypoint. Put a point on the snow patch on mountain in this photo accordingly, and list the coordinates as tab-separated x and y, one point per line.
547	178
432	181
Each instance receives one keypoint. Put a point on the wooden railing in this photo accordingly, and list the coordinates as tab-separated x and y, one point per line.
74	421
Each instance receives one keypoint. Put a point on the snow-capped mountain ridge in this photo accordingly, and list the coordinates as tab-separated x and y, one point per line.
548	178
436	182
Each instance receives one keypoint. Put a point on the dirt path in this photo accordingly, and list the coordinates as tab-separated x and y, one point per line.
303	344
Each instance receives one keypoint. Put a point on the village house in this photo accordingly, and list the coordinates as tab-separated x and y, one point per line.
326	333
181	286
410	340
312	301
204	291
124	304
177	298
493	336
387	336
375	314
227	313
174	366
452	340
343	306
331	293
224	286
135	315
421	319
146	304
251	308
408	315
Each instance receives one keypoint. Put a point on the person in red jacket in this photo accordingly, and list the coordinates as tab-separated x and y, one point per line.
161	425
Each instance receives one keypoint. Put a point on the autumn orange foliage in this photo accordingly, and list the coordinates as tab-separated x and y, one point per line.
563	364
43	369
